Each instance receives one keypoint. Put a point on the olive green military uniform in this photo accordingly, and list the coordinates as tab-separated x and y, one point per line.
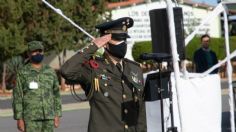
115	96
37	105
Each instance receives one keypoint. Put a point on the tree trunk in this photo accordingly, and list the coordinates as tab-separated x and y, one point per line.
4	78
61	62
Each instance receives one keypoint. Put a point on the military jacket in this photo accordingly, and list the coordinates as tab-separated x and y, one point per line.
37	95
115	96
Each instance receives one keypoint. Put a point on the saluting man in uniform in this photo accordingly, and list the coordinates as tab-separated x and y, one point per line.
113	84
36	98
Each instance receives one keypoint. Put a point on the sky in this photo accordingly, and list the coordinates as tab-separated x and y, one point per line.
211	2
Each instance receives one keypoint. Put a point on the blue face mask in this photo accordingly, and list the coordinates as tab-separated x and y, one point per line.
37	58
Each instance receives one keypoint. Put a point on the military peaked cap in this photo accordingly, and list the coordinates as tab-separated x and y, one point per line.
35	45
118	28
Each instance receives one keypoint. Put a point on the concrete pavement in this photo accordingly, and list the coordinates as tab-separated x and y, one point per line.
68	103
76	115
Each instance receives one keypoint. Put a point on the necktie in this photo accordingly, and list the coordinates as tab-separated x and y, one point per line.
119	67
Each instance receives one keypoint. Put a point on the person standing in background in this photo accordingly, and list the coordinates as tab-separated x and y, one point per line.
36	98
204	58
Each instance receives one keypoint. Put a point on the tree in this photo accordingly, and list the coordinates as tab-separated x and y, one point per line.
22	21
11	33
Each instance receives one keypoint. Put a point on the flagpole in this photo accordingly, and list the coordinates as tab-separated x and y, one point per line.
58	11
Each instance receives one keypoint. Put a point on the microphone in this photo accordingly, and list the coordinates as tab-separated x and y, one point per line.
159	57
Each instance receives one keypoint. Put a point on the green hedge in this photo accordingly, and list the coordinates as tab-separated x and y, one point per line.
141	47
216	44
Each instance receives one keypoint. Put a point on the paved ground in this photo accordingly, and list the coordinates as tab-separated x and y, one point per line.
67	98
72	121
75	115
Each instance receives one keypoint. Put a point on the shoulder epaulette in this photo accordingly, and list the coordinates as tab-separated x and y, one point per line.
133	62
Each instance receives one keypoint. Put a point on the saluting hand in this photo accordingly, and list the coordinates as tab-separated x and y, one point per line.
21	125
100	42
56	122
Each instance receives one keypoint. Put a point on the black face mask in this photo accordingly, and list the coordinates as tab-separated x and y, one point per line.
118	51
37	58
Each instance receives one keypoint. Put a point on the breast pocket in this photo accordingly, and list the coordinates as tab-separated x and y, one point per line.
47	81
102	90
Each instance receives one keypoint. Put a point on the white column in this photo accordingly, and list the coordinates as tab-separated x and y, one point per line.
174	55
229	72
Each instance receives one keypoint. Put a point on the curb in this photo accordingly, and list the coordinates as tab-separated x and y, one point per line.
65	107
67	92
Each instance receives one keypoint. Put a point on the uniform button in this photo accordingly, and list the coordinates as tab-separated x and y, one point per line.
106	94
123	81
139	90
124	96
126	111
126	126
135	98
105	84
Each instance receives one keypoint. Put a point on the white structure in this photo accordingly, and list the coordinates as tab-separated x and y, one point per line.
213	123
192	17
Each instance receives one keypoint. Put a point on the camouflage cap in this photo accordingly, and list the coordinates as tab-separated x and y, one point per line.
35	45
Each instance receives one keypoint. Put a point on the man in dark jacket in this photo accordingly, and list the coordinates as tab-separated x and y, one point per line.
113	84
204	57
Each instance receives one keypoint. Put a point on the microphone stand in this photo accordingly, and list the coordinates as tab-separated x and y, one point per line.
161	99
172	128
159	58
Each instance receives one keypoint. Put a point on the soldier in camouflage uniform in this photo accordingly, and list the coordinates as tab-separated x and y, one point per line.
113	84
36	98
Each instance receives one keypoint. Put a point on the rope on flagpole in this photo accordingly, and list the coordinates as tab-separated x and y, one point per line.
58	11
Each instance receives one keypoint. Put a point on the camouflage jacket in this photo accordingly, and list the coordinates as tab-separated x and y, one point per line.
115	96
36	104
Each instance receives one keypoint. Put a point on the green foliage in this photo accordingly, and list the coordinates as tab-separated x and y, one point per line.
11	33
216	44
139	48
22	21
